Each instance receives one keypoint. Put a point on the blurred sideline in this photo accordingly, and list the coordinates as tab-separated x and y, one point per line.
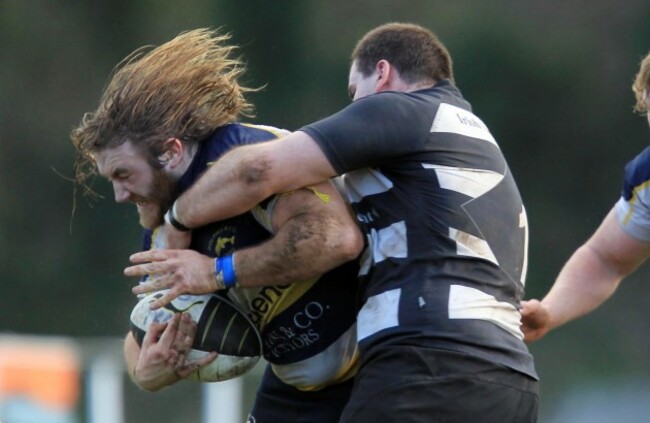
49	379
52	379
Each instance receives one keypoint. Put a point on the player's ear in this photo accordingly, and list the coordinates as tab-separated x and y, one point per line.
384	71
172	152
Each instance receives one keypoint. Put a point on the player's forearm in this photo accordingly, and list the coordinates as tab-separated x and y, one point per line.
583	285
306	247
246	175
233	185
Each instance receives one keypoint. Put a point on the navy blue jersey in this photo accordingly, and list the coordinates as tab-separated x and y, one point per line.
308	328
444	219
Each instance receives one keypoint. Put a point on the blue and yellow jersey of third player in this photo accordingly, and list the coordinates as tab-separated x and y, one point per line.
308	328
633	208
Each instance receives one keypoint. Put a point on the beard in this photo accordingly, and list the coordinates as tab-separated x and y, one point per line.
153	206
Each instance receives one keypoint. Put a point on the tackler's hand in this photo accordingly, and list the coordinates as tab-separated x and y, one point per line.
179	271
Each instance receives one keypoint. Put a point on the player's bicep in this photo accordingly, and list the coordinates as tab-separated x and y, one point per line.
318	200
616	248
317	226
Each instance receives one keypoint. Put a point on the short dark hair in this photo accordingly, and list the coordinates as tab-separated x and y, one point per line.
415	52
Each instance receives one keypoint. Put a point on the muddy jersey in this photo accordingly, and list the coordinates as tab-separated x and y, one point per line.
444	219
308	328
633	208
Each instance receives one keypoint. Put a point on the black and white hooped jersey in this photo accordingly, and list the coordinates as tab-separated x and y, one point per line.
308	328
633	208
444	220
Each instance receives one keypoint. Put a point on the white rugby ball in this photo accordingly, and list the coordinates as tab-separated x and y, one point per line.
221	327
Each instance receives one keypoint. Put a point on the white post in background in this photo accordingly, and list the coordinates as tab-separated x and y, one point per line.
105	399
222	401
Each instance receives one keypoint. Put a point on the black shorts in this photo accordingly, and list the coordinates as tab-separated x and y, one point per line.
413	384
278	402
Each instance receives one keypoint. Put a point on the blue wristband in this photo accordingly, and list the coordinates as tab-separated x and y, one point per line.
226	267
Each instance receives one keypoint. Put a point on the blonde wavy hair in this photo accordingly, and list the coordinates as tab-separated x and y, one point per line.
185	89
641	85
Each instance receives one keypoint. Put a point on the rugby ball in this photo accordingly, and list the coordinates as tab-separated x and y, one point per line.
221	327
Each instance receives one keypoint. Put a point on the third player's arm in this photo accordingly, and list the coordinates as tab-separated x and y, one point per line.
588	279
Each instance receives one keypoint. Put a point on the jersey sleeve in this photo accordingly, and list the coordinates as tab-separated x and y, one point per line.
371	131
633	208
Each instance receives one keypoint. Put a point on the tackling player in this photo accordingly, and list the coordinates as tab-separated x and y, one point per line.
620	244
439	332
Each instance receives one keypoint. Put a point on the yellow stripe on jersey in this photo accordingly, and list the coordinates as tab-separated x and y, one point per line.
264	215
633	200
279	133
288	297
338	362
325	198
157	239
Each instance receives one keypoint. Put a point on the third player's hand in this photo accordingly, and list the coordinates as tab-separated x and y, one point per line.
535	320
